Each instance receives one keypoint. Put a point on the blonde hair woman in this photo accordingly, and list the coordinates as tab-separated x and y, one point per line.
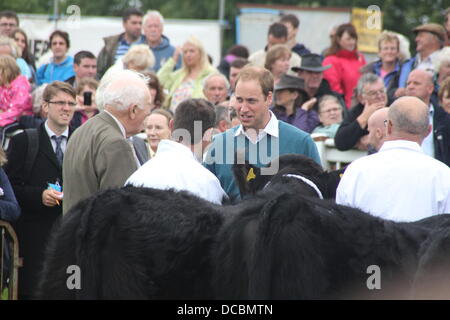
139	58
186	82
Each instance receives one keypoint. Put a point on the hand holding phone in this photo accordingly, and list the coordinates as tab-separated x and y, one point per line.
87	98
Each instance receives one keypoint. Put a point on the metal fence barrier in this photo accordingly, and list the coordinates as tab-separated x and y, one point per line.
9	262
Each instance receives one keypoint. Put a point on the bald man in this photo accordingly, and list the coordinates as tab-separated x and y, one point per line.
437	143
376	125
400	182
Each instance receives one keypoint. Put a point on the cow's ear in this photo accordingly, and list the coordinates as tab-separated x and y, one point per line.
245	175
330	181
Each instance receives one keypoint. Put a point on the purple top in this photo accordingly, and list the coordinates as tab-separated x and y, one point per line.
304	120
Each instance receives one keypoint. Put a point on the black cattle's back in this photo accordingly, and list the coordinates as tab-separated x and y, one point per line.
300	247
134	243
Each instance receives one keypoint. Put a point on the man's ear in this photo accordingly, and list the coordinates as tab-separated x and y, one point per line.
45	107
132	111
269	98
360	98
430	128
379	133
224	125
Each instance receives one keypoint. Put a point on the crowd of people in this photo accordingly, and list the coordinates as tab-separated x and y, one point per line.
146	113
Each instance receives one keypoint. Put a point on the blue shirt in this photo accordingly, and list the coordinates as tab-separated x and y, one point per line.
24	68
220	157
50	72
123	46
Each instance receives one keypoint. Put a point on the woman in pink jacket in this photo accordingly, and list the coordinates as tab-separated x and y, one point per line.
346	61
15	97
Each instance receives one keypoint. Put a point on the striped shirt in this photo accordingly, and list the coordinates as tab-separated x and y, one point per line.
123	46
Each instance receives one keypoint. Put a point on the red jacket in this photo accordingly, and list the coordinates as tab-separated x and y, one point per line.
344	74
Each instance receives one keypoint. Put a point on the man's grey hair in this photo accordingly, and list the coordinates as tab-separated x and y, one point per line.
153	13
403	121
222	113
38	99
121	97
442	57
216	74
367	78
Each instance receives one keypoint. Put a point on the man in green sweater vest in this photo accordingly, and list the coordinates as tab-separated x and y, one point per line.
260	137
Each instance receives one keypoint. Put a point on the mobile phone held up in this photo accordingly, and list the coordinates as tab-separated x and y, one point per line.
87	98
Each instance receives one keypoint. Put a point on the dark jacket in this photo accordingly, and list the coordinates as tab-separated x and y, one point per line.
106	56
141	149
325	89
36	221
304	120
441	134
9	207
77	119
300	49
349	131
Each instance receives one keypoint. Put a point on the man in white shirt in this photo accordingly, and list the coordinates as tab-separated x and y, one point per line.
400	182
176	165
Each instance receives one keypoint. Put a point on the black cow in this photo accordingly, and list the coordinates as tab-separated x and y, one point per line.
134	243
304	166
282	242
287	244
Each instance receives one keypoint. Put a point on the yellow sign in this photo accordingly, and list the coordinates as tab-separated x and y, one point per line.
368	24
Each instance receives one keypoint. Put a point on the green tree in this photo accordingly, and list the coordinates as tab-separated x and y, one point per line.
400	16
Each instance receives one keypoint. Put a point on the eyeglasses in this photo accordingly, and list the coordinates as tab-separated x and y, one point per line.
331	110
63	103
375	93
8	25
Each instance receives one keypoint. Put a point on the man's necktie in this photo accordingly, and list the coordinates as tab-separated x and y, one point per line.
59	153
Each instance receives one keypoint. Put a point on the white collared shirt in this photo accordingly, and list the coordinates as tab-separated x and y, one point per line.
53	142
270	129
175	166
428	142
130	141
398	183
121	127
427	64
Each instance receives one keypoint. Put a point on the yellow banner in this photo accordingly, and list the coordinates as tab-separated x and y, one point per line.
368	24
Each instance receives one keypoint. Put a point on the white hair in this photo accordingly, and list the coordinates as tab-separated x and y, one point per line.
121	89
38	99
16	52
153	13
140	56
442	57
216	74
